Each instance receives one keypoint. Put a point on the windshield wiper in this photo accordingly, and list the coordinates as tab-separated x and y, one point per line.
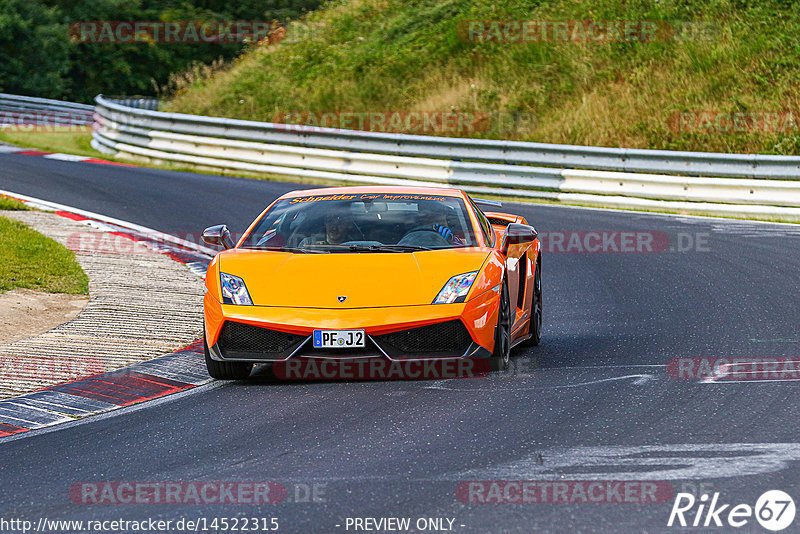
396	248
322	247
288	249
370	248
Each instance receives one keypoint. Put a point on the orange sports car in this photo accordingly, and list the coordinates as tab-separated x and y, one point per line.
398	274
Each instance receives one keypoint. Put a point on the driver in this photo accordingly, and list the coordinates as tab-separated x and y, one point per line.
339	228
433	215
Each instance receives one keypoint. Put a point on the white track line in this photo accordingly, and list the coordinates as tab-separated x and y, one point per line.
640	380
53	206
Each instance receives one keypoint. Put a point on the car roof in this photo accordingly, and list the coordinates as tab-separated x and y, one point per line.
391	189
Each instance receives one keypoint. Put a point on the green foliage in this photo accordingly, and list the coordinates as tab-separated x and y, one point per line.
727	56
37	57
34	50
374	55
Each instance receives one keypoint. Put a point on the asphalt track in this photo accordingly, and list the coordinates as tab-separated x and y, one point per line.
593	402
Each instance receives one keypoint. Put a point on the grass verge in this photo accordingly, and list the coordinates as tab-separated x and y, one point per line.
33	261
65	142
11	204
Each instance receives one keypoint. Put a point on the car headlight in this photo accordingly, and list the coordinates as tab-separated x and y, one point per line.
456	289
233	290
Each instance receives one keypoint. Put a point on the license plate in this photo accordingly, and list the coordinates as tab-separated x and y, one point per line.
339	339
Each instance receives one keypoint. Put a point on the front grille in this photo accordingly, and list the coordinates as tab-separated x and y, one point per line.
496	221
450	338
239	340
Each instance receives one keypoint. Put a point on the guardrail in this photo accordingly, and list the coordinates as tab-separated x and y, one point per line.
31	111
731	184
139	102
489	151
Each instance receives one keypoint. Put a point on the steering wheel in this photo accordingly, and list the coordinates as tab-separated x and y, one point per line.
424	236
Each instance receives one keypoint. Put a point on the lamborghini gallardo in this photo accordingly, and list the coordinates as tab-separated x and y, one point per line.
398	274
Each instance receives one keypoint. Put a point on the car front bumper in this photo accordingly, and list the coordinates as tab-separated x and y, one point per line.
478	315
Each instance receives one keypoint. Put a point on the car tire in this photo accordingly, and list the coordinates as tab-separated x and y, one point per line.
536	307
502	333
226	370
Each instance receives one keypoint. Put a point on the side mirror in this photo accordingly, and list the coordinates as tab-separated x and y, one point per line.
516	234
218	235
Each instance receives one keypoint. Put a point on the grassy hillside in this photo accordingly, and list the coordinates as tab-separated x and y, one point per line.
375	55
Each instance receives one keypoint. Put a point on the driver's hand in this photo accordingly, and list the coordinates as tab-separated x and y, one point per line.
445	232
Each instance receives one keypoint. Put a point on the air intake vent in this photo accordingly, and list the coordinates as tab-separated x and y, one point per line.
496	221
447	339
238	340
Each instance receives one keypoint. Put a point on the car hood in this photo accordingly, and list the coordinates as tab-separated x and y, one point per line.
366	279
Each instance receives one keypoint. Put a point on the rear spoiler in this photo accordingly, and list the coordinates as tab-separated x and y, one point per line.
492	203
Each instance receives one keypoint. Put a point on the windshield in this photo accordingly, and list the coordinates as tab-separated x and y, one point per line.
363	222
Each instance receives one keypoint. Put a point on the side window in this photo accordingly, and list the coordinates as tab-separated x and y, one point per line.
488	232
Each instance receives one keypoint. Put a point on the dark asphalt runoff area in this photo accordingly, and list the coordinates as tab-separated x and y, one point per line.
593	403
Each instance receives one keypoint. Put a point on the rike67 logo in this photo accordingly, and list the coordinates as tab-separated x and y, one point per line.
774	510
